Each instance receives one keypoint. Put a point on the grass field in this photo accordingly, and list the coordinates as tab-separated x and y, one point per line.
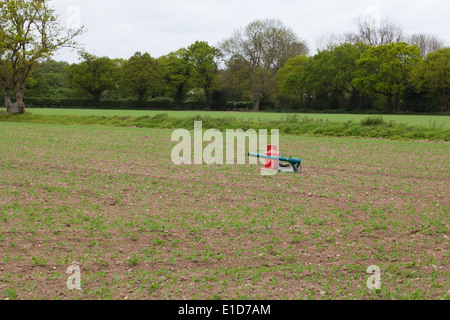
291	124
419	120
110	201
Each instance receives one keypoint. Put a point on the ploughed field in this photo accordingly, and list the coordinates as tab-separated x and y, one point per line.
110	201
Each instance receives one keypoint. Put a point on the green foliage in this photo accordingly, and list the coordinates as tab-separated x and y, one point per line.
95	75
30	32
176	70
204	59
49	79
372	127
294	78
239	105
264	62
334	71
235	81
141	75
10	293
432	75
325	78
373	121
384	70
160	103
357	76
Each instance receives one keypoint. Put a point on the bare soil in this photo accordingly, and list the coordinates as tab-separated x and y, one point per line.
110	201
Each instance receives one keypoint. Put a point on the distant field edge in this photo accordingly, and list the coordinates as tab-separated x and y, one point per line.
367	126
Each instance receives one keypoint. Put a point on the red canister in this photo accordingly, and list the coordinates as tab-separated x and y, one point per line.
272	150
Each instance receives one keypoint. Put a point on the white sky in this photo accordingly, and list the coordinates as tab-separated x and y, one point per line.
119	28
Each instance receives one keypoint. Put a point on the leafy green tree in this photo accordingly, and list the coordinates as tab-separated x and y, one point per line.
29	32
141	75
263	47
176	70
327	76
334	70
95	75
49	79
433	75
294	79
204	59
384	71
234	81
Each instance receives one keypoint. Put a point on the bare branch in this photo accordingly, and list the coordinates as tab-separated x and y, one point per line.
426	42
374	34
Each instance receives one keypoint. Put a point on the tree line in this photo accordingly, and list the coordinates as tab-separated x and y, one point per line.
262	66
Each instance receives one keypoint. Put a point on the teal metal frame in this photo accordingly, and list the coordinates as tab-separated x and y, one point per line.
295	162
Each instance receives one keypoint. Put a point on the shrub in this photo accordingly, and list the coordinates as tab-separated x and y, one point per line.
373	121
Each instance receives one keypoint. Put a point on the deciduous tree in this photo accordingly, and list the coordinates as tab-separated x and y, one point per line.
141	75
49	79
334	70
29	32
384	70
95	75
176	70
263	47
204	59
433	75
426	42
375	33
294	78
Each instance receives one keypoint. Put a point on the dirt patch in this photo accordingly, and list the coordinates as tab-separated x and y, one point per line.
140	227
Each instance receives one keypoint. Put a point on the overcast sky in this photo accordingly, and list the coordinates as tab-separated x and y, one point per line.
119	28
